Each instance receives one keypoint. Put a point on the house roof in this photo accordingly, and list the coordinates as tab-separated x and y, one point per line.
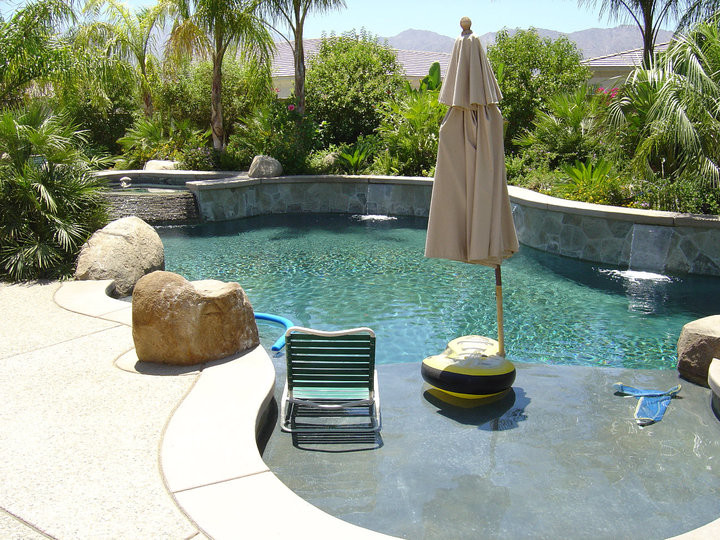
629	58
415	63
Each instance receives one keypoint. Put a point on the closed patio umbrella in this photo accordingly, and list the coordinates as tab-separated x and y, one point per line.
470	216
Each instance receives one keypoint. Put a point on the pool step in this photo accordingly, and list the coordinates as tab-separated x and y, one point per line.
714	384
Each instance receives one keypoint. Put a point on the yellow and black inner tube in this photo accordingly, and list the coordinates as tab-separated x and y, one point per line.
469	368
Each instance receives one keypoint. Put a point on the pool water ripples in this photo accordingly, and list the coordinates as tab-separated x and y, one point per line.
333	271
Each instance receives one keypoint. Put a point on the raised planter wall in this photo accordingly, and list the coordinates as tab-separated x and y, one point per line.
220	200
663	242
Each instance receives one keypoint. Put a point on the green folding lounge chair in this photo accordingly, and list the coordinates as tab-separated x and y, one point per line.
331	381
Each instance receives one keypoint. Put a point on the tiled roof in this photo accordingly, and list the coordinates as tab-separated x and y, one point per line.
415	63
629	58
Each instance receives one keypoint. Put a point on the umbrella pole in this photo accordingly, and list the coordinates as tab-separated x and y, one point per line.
498	298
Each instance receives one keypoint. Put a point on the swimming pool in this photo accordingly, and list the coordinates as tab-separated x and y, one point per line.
338	271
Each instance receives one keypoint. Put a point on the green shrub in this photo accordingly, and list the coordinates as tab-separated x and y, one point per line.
593	183
276	130
149	139
325	161
568	128
529	70
50	203
183	93
688	195
410	131
200	159
347	80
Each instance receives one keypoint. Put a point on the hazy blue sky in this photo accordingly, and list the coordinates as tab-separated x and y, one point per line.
389	17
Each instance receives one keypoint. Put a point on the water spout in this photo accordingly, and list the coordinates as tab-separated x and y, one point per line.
649	247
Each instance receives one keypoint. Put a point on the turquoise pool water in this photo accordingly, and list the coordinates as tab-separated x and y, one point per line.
334	271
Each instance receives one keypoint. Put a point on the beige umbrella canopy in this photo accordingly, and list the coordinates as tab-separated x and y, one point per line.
470	216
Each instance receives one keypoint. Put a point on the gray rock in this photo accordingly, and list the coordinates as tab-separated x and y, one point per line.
124	250
175	321
161	165
699	343
265	167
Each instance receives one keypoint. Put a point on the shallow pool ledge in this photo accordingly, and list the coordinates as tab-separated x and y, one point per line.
209	455
665	242
213	468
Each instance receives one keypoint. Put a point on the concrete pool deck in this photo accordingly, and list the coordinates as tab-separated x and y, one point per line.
92	450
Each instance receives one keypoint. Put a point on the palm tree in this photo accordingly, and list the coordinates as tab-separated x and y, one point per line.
51	203
31	46
293	13
211	28
128	35
673	109
651	15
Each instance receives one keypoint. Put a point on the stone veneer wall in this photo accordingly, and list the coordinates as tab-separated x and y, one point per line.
644	239
220	200
155	208
664	242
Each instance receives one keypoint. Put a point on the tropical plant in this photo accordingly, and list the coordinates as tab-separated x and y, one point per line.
98	91
431	81
669	114
353	160
50	203
184	92
31	47
276	130
593	183
410	132
212	28
570	127
292	13
127	35
150	138
530	69
651	15
347	81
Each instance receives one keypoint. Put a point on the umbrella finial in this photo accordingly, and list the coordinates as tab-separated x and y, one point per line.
465	24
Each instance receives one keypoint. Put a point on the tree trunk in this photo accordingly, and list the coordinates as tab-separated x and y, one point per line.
648	37
148	107
299	57
216	113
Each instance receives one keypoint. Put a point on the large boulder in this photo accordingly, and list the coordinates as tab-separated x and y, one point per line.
265	167
175	321
161	165
699	343
124	250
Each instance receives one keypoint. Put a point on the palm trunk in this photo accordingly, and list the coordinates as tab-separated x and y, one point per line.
216	113
148	107
299	57
300	75
648	35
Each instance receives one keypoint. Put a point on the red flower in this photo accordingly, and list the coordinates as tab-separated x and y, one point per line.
291	108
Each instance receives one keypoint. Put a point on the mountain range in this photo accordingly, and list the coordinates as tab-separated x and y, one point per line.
592	43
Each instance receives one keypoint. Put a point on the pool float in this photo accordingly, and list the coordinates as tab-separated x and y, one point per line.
287	323
470	368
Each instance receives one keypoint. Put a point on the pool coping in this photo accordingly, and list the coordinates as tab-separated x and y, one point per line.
208	454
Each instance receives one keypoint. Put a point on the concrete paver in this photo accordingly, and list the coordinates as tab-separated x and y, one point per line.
80	437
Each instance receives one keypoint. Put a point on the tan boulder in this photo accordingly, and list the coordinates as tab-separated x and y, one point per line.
161	165
699	343
124	250
265	167
175	321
